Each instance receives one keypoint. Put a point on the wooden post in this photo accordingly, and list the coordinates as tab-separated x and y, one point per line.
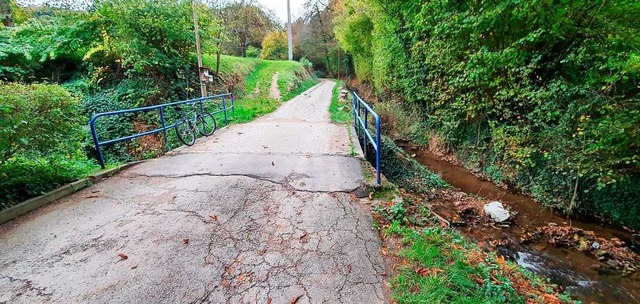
203	86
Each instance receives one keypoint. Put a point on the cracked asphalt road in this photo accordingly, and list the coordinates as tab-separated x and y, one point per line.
258	212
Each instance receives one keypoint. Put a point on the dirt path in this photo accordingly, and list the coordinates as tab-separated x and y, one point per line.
258	213
274	92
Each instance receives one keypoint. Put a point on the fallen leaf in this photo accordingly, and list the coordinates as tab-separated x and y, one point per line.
477	279
185	241
423	272
295	300
214	217
123	256
268	300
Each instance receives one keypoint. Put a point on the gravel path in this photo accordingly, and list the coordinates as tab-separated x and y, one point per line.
258	213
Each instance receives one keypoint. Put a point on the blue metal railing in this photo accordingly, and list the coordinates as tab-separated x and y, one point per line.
161	111
361	111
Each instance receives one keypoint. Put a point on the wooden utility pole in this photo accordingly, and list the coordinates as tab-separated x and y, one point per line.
203	86
289	31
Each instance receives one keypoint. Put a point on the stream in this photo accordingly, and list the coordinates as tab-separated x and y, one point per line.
577	272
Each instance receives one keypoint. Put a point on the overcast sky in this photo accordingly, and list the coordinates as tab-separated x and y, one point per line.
280	8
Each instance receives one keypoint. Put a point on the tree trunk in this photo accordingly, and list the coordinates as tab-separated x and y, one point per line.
5	12
218	61
324	40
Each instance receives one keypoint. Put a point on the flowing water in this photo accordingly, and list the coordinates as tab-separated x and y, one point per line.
578	272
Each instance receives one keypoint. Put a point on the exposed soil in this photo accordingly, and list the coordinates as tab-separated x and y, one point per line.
274	92
593	260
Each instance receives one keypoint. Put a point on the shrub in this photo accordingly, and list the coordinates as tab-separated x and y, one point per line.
307	64
42	118
253	52
41	140
274	46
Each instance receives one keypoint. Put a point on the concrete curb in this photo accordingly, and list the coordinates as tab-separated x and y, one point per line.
37	202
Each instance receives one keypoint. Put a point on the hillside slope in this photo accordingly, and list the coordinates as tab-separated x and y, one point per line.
252	78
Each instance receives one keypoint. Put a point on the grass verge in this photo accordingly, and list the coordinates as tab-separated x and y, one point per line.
252	108
337	109
441	266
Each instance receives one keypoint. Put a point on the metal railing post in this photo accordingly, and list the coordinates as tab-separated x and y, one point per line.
362	110
355	113
366	127
94	134
224	110
378	149
164	129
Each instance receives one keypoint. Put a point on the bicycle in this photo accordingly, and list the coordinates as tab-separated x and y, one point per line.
186	127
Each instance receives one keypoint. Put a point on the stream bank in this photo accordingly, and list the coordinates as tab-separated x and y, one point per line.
538	238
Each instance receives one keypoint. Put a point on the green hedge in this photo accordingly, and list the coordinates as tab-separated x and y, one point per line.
41	141
544	91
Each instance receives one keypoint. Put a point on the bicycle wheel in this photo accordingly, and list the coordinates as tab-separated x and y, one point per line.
206	124
186	133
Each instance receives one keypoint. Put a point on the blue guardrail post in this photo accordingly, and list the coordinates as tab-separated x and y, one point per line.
361	113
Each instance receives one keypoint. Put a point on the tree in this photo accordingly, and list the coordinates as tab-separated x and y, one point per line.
274	46
154	37
316	37
353	30
246	24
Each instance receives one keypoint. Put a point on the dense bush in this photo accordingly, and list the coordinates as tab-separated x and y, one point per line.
41	140
274	46
50	47
253	52
153	38
545	91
